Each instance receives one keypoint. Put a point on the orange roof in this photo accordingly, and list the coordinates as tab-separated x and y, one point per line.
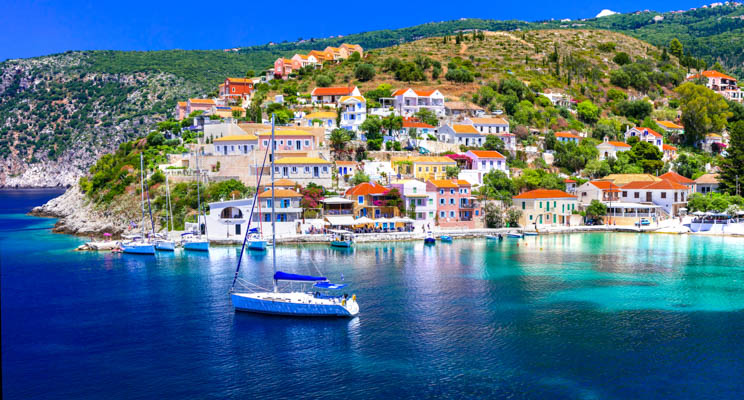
462	182
201	101
670	125
569	181
713	74
284	182
459	128
182	104
414	124
650	131
422	93
544	194
341	162
489	121
487	154
332	91
604	185
668	147
366	188
279	193
444	183
677	178
617	144
239	80
658	185
567	135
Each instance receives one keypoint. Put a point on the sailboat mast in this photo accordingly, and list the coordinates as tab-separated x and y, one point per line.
273	202
142	194
198	193
169	224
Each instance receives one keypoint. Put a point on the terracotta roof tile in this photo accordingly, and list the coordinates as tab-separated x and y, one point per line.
487	153
332	91
544	194
279	193
366	188
675	177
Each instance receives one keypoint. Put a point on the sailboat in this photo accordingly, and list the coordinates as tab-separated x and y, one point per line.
139	244
290	303
191	241
255	240
163	242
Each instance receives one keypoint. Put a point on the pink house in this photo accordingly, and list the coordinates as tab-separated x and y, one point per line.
283	67
455	204
199	105
181	110
288	140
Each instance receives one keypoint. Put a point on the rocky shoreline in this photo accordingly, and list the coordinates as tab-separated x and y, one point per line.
78	216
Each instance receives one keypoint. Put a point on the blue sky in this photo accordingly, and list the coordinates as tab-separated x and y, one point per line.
33	28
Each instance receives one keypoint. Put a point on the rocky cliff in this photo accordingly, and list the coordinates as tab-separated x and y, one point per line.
78	216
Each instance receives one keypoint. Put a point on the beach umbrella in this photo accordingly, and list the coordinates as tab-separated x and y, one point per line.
106	234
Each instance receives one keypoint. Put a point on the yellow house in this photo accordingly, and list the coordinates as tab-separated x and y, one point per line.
423	168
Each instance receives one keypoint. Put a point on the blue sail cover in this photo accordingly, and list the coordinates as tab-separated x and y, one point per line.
253	230
329	285
283	276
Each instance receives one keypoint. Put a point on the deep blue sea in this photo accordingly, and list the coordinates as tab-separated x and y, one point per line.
586	316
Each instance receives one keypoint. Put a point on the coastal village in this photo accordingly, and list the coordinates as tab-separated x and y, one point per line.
434	167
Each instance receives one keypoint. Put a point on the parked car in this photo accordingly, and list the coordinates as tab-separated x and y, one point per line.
593	222
643	222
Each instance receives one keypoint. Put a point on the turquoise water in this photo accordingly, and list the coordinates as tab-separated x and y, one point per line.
591	316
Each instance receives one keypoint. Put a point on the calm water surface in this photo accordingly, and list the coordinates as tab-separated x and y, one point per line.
592	316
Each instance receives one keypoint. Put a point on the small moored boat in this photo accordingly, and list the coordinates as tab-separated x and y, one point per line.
445	238
514	235
255	242
341	238
429	239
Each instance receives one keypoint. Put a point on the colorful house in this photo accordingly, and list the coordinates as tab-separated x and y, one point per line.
234	145
302	61
304	170
669	152
422	129
283	67
604	191
287	206
345	169
370	200
353	48
236	90
181	110
712	143
679	179
720	83
545	208
609	148
408	102
288	140
321	56
422	167
672	128
326	119
461	134
486	161
331	95
489	125
419	202
353	111
668	195
706	183
567	137
204	105
455	204
646	135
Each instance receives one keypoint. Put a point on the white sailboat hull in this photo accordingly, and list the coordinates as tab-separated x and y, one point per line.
294	304
165	245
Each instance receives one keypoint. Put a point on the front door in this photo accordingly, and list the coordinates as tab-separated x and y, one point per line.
237	229
298	145
648	197
316	172
285	171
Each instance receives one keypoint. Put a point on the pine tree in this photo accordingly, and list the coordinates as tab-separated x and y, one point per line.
731	176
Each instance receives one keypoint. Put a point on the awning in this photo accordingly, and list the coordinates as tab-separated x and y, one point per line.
336	200
329	285
340	220
363	220
283	276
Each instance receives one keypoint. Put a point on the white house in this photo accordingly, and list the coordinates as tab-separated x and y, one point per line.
712	142
558	99
566	137
461	134
706	183
410	101
331	95
604	191
228	218
668	195
235	145
287	207
482	162
325	119
378	170
610	148
720	83
489	125
422	129
302	60
544	207
304	170
353	111
646	135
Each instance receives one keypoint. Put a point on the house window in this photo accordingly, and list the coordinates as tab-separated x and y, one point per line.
452	214
663	195
431	202
307	143
540	206
441	191
524	205
419	169
266	143
289	143
360	199
637	195
294	170
442	214
276	170
452	191
625	193
307	170
325	170
441	201
414	189
476	213
268	203
431	214
452	201
483	164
